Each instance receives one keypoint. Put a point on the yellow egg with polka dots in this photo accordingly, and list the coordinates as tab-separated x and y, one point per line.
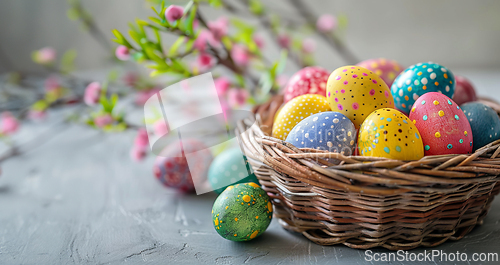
356	92
295	111
389	133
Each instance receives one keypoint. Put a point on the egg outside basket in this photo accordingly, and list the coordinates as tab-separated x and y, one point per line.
366	202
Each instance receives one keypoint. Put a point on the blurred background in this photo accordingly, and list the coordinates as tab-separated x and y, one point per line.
455	33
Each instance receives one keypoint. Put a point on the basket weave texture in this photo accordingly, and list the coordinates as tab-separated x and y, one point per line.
366	202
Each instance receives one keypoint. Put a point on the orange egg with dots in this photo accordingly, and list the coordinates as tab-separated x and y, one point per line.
295	111
356	92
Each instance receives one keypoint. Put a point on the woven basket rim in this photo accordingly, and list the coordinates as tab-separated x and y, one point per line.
364	202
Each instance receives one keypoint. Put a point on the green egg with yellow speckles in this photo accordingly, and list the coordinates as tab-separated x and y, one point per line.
242	212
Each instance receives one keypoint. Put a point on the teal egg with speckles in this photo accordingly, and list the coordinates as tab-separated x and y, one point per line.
242	212
484	123
419	79
228	168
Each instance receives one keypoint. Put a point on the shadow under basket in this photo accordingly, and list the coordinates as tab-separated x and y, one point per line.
366	202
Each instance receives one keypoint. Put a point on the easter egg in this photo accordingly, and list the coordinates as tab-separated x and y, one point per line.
228	168
171	166
389	133
464	91
331	131
484	122
419	79
442	124
388	70
242	212
296	110
309	80
356	92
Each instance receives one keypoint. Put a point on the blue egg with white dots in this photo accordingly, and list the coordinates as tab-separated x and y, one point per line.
419	79
330	131
484	123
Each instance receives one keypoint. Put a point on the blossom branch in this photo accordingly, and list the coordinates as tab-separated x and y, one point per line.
331	39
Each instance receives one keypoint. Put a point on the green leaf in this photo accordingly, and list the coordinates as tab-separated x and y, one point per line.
240	80
190	20
40	105
215	3
189	44
114	100
73	14
120	39
104	103
135	36
256	7
342	21
68	61
140	26
176	45
178	65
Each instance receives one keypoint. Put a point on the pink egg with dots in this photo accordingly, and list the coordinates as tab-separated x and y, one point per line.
388	70
309	80
442	124
464	91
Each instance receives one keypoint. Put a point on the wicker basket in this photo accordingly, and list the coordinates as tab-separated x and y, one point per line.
366	202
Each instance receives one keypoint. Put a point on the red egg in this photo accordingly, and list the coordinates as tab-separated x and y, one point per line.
173	169
442	125
309	80
464	91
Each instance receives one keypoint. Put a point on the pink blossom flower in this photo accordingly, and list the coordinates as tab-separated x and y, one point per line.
141	140
92	93
219	27
144	95
326	23
45	55
122	53
203	38
259	41
222	84
237	97
174	13
103	120
240	55
138	153
284	41
160	128
37	114
9	124
52	83
308	45
204	62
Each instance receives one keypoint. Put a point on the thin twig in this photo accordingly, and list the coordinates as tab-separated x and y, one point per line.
307	13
